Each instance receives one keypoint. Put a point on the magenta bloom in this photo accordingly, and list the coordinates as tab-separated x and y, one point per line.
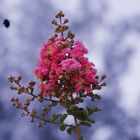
79	50
65	78
70	65
64	71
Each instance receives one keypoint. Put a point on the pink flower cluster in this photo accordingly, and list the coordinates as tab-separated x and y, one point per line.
63	71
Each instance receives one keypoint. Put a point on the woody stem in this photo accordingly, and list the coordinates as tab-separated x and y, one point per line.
77	129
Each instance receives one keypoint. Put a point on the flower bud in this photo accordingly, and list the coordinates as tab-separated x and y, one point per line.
58	27
40	93
13	88
27	102
11	78
19	78
98	87
32	83
44	108
20	90
71	35
17	105
16	100
31	98
64	28
103	76
58	15
96	77
40	99
72	41
32	120
66	21
33	113
13	99
40	124
54	22
14	104
103	84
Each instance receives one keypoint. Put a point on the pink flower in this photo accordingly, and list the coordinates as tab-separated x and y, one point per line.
79	50
85	63
49	49
60	69
78	88
88	89
40	73
90	76
70	65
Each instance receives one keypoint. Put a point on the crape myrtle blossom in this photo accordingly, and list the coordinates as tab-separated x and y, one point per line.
70	65
66	78
64	69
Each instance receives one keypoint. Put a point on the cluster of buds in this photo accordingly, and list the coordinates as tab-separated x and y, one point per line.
17	86
62	27
66	77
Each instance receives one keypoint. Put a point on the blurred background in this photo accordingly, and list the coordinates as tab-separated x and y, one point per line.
111	32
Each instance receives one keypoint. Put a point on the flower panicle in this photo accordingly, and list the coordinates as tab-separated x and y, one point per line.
65	78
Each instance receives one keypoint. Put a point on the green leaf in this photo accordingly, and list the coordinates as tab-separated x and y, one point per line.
54	103
70	112
96	109
90	111
55	117
81	100
91	120
69	130
64	104
85	124
80	113
63	118
62	127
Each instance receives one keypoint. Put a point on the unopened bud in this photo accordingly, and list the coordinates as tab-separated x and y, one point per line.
57	29
66	21
27	102
103	84
56	35
31	98
13	99
40	93
14	104
16	100
98	87
71	35
11	78
17	105
97	77
103	76
60	14
40	99
40	124
32	120
19	78
44	108
13	88
32	83
96	96
64	28
20	90
33	113
54	22
72	41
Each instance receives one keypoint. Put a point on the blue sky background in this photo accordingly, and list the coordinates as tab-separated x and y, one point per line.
111	32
